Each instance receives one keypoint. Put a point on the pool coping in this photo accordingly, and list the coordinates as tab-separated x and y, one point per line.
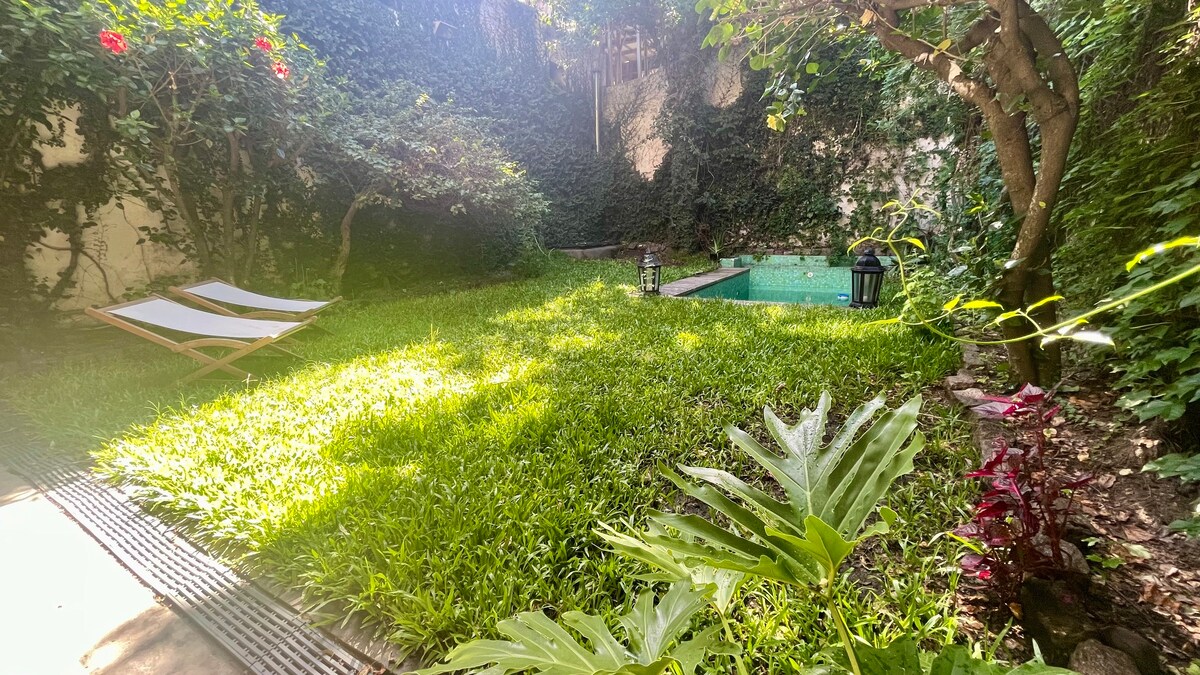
686	285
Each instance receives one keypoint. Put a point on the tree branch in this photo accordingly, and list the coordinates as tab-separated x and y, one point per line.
901	5
975	91
981	32
1018	59
81	252
1049	47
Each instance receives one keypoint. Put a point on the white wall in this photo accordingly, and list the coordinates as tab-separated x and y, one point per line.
639	102
115	262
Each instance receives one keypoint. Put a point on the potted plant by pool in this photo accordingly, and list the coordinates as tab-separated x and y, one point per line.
716	245
866	280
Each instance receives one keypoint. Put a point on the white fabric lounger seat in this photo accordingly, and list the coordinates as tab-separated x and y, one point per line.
240	335
216	295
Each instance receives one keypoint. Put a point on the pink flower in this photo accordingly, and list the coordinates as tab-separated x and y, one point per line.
281	70
263	43
113	41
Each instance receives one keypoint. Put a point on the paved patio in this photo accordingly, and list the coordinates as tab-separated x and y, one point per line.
67	606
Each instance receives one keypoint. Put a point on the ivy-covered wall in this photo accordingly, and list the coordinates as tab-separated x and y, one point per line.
702	169
489	57
717	172
725	180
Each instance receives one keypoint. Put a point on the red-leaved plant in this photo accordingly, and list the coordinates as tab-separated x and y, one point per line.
1021	519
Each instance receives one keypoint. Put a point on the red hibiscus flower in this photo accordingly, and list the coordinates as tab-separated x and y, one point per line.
263	44
113	41
281	70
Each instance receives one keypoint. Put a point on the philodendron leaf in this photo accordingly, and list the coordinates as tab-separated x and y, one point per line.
841	482
651	629
899	658
832	490
659	667
823	543
673	566
540	645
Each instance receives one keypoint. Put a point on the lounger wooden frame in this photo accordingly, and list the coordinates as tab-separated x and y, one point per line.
214	306
190	348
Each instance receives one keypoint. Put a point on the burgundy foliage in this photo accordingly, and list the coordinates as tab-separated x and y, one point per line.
1021	519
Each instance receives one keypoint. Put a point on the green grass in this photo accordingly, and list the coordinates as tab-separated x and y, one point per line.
439	463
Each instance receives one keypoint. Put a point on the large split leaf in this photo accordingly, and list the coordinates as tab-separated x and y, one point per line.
832	489
671	567
653	632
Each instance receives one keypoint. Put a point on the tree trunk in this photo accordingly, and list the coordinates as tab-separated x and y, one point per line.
256	207
343	258
1012	61
1028	67
229	211
187	211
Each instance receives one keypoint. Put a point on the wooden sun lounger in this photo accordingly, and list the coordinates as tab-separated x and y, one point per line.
241	335
216	295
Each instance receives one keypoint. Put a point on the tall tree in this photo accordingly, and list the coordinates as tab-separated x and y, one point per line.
404	149
1000	56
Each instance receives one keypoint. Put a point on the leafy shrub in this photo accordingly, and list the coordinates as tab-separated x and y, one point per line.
1160	336
215	144
493	75
405	150
1186	468
1136	181
653	631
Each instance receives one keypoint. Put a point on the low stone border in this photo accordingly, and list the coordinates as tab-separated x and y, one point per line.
593	253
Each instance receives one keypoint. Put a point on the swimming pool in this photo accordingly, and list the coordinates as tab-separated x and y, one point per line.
780	278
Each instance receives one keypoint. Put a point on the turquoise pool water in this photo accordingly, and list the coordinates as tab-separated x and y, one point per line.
791	279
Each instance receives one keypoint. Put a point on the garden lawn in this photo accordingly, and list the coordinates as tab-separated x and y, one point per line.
440	461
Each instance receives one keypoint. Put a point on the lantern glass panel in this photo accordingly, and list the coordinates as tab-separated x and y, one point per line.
870	291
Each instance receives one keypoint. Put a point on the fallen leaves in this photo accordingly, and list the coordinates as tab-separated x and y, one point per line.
1137	534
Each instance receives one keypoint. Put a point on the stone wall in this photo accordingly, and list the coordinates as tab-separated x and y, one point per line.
634	107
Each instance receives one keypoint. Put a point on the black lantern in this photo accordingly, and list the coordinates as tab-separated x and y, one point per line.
649	274
866	279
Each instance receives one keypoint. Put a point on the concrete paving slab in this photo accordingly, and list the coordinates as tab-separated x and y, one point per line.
68	607
695	282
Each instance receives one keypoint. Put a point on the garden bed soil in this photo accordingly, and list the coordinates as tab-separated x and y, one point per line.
1144	576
